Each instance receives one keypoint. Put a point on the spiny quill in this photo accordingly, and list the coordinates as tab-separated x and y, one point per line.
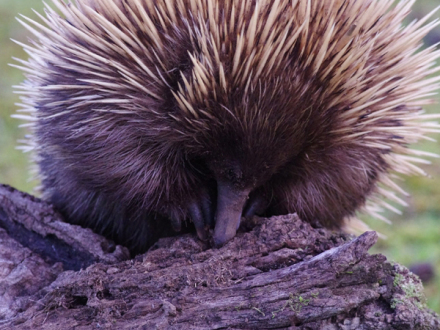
146	114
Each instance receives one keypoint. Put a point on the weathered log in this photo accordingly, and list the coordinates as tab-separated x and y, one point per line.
278	273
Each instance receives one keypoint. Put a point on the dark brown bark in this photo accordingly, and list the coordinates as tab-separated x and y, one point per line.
281	273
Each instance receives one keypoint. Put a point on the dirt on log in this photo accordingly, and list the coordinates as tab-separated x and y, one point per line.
277	273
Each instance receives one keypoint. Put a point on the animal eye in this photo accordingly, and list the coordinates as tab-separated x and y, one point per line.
230	174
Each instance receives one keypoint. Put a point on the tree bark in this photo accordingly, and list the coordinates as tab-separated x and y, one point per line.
277	273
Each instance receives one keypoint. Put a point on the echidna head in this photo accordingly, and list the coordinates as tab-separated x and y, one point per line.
241	162
256	138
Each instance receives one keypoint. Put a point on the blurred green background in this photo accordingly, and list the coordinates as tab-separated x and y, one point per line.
413	237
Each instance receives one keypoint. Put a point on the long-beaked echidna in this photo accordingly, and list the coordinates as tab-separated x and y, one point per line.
147	113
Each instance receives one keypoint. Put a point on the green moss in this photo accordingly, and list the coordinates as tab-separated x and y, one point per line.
411	240
411	287
296	302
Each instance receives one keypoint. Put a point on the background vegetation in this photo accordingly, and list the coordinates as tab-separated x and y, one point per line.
413	237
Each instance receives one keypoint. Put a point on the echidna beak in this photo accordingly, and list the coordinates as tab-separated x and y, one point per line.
230	203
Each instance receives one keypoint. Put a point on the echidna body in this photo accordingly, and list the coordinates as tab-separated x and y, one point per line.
146	114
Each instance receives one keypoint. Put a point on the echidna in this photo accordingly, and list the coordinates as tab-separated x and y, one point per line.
148	113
